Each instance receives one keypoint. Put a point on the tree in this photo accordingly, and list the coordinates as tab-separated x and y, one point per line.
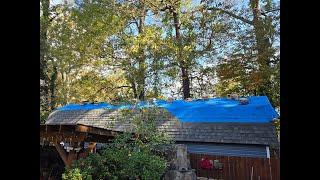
44	91
191	41
79	52
105	50
261	53
173	7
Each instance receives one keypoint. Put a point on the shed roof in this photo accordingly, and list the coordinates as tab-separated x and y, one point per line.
262	133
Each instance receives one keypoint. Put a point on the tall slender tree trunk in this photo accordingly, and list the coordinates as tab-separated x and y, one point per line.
185	82
141	58
263	48
182	63
156	80
53	88
134	89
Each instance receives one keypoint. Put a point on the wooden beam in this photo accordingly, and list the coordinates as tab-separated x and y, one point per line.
94	130
63	136
72	156
63	154
77	133
77	128
57	128
98	138
67	157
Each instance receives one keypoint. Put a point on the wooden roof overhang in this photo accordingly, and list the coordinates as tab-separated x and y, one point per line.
75	133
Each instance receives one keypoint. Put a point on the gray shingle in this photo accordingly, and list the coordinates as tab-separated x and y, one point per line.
240	133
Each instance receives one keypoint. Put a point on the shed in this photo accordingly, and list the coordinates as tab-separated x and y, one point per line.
216	126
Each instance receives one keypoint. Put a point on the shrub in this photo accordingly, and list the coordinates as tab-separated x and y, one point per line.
128	157
72	174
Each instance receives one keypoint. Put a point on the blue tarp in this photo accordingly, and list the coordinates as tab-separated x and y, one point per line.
259	109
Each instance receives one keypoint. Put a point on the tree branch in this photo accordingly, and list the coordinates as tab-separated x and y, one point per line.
112	88
231	14
265	13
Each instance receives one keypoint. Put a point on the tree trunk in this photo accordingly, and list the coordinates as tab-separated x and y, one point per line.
141	57
263	48
156	78
53	88
185	83
182	63
133	86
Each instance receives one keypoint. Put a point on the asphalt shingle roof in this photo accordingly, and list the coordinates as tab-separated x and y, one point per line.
238	133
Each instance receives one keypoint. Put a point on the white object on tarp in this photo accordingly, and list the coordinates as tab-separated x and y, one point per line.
234	96
244	101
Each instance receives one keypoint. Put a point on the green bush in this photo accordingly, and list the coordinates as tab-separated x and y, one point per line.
277	126
120	160
128	157
72	174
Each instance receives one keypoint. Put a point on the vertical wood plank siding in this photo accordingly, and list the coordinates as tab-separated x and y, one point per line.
238	168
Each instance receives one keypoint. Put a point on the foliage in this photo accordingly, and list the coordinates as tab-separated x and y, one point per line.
73	174
43	116
120	162
251	67
107	50
129	156
277	125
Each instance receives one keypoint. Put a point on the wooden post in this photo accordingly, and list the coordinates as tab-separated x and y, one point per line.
72	156
67	158
268	152
251	173
62	153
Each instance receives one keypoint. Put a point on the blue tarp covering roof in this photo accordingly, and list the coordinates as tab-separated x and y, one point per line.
258	109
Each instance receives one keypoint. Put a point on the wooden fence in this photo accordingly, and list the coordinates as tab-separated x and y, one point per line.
238	168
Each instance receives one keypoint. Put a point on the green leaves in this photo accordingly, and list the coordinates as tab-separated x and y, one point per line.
128	157
74	174
277	126
97	57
